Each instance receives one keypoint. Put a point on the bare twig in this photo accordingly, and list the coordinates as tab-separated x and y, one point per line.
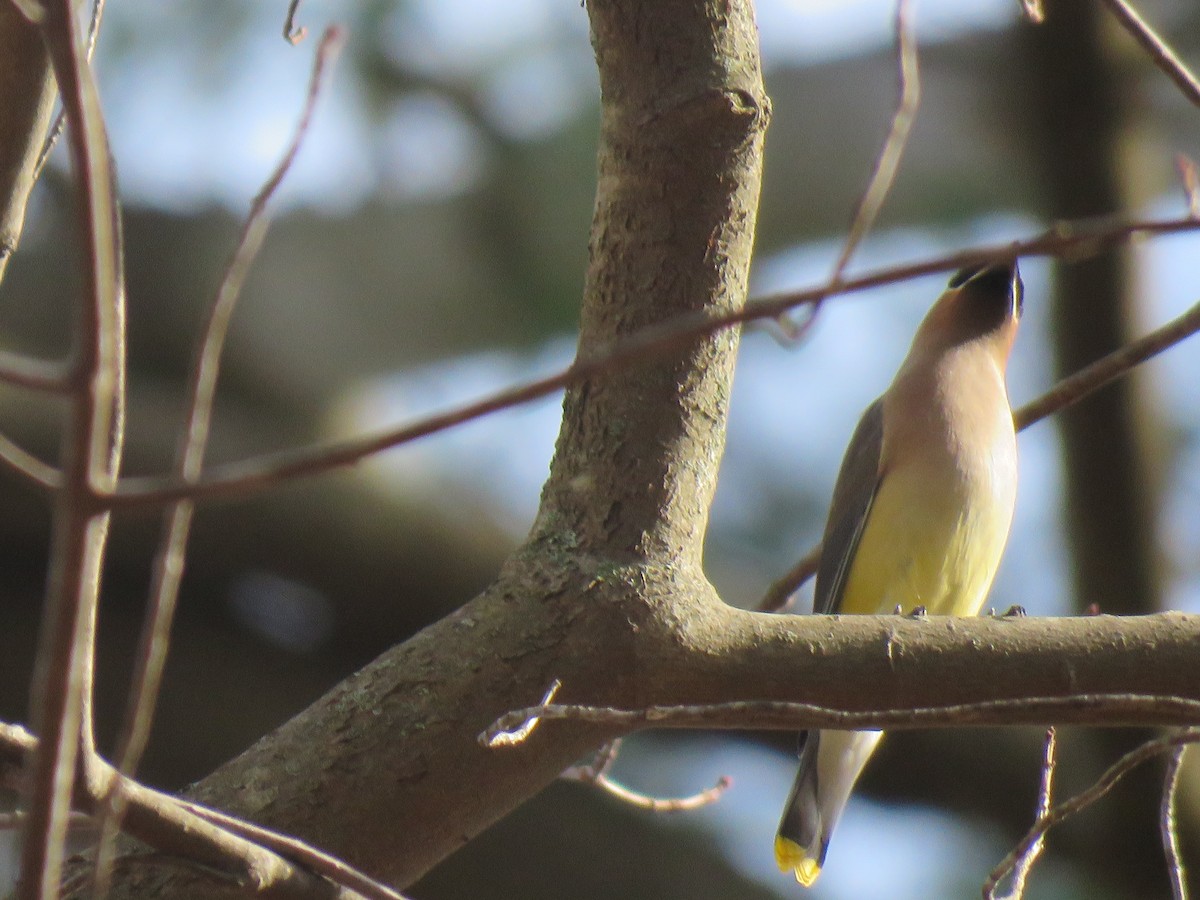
1024	863
197	835
1161	54
888	163
1084	799
29	466
35	374
309	857
267	471
661	804
10	821
1091	378
291	33
1167	824
92	443
596	773
169	560
778	715
601	762
525	727
883	172
780	593
61	119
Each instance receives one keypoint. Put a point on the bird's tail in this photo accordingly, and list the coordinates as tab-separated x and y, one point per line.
801	842
830	762
791	857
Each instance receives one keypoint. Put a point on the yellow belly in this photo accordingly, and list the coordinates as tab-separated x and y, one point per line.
927	547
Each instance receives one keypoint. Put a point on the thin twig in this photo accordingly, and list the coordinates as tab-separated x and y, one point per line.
269	470
1161	54
1167	824
11	821
170	557
192	834
1084	799
525	727
1091	378
780	593
602	761
1025	861
663	804
307	856
35	374
60	120
515	727
887	164
29	466
291	33
91	453
596	773
883	172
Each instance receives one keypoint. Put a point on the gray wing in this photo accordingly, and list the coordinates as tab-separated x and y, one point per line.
857	483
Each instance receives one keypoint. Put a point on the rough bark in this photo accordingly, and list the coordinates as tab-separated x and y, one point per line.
620	532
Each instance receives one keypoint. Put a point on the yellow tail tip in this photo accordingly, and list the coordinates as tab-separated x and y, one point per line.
791	857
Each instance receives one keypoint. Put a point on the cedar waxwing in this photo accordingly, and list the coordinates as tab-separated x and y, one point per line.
920	514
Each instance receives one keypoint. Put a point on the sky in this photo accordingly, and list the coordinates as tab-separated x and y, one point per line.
535	53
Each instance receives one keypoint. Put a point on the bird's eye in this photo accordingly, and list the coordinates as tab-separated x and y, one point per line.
963	275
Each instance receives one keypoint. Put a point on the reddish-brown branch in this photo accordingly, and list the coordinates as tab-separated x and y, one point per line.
1097	791
1023	863
197	835
28	466
35	374
596	773
169	560
1075	387
61	119
777	715
1157	49
263	472
779	594
883	174
92	443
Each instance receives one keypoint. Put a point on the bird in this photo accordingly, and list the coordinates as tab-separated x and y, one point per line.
920	514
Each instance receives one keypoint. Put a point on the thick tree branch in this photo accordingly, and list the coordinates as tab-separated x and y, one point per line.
401	735
395	781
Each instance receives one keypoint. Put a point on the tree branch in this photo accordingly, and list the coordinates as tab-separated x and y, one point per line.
647	343
61	693
26	103
1157	49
